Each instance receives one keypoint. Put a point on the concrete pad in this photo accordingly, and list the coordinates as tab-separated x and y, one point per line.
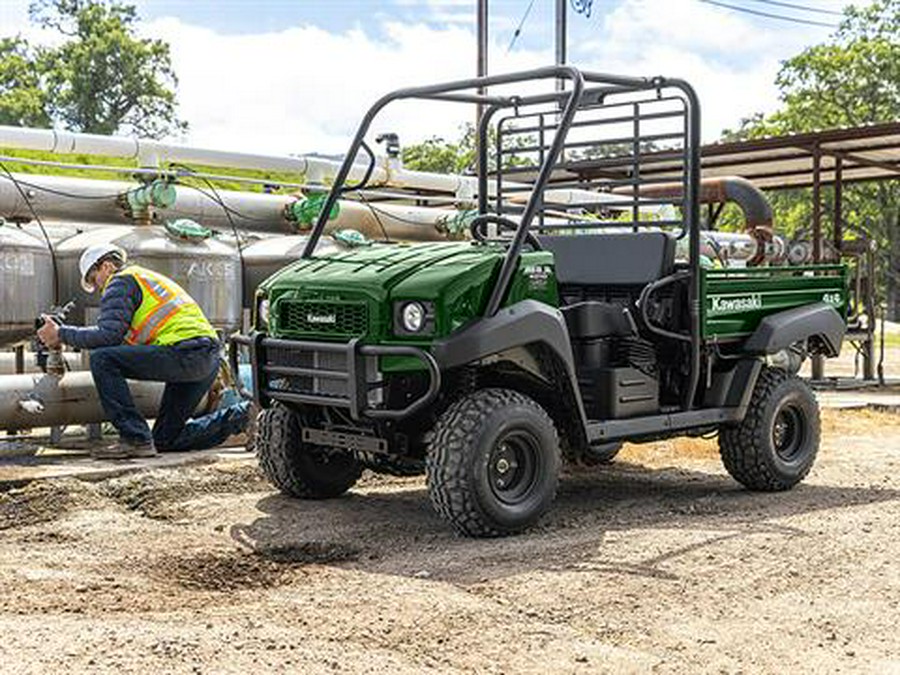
888	400
47	463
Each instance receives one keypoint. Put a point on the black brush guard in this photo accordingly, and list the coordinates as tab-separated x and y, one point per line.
355	375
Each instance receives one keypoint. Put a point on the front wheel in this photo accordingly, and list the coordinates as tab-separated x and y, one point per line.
775	445
493	463
301	469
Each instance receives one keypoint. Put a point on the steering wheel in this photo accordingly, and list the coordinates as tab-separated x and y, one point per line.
479	231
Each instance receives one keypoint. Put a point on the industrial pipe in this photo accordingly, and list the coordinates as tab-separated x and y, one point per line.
150	153
751	200
98	201
38	400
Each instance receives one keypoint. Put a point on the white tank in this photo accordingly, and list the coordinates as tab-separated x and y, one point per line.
266	256
26	283
209	270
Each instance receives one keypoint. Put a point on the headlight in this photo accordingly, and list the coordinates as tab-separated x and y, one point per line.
262	313
413	317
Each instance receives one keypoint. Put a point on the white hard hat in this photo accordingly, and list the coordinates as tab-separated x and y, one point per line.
91	256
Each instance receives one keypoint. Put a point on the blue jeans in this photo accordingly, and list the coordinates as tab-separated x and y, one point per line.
188	369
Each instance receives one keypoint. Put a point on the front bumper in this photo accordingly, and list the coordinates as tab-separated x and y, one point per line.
343	375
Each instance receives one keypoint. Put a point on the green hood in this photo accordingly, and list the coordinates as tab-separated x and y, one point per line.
455	278
378	269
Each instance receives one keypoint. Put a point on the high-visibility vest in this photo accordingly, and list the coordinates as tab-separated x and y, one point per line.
167	314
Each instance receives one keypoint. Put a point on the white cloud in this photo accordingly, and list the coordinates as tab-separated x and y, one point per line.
304	89
725	55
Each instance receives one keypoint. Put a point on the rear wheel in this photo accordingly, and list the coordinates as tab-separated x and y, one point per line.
493	463
774	447
301	469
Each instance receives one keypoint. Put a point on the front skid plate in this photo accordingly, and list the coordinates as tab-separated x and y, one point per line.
337	439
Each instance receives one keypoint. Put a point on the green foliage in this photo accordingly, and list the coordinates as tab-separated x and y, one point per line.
852	79
100	79
22	101
277	179
438	156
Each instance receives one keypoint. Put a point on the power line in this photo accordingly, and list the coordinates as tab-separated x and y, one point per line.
769	16
518	30
803	8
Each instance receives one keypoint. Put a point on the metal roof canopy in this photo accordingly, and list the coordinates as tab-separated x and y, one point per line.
837	155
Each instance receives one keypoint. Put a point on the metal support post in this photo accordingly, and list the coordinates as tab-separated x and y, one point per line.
482	64
818	363
560	39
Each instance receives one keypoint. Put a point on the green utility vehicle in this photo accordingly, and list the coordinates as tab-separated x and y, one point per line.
581	314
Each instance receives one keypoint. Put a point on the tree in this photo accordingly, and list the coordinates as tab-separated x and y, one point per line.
100	79
850	80
440	156
22	101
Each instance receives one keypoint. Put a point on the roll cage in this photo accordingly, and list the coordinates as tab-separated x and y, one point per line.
621	124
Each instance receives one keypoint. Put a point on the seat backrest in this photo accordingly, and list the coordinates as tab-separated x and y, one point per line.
614	259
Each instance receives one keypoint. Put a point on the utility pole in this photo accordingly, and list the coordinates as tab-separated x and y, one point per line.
482	67
560	40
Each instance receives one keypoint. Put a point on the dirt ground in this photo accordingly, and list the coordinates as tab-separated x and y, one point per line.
656	563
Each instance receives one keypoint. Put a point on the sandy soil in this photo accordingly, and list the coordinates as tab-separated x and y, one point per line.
657	563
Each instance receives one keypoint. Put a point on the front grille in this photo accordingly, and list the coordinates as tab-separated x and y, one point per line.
323	318
319	360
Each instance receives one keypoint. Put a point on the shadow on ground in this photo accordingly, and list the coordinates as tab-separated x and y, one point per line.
395	531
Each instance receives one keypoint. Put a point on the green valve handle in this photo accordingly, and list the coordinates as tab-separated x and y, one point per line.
159	193
185	228
351	238
458	224
306	210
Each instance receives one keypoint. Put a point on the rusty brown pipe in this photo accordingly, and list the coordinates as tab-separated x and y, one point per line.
751	200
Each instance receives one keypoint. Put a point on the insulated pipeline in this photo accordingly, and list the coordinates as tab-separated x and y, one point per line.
37	400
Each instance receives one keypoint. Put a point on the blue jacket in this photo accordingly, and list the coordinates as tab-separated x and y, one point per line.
120	301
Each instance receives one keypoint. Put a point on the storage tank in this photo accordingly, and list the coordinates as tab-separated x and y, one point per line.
26	283
208	269
265	257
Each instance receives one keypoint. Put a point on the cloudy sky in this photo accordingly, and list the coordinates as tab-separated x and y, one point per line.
295	76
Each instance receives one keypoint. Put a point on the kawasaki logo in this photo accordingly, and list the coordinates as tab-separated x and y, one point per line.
726	305
321	318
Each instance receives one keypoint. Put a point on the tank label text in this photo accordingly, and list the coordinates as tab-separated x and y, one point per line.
17	262
211	269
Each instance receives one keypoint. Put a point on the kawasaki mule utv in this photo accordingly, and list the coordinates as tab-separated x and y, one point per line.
568	324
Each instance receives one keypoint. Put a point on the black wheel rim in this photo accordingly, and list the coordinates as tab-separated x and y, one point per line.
512	466
789	432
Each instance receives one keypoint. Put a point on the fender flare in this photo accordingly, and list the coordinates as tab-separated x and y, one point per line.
779	331
526	322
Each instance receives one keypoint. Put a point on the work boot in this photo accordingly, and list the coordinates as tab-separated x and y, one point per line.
125	449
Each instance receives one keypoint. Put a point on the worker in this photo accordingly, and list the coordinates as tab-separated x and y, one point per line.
149	328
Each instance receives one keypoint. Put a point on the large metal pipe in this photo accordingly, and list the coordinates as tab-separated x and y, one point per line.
97	201
319	171
32	401
751	200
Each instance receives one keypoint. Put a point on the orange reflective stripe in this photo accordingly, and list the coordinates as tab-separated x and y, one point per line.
159	292
162	321
166	314
156	319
